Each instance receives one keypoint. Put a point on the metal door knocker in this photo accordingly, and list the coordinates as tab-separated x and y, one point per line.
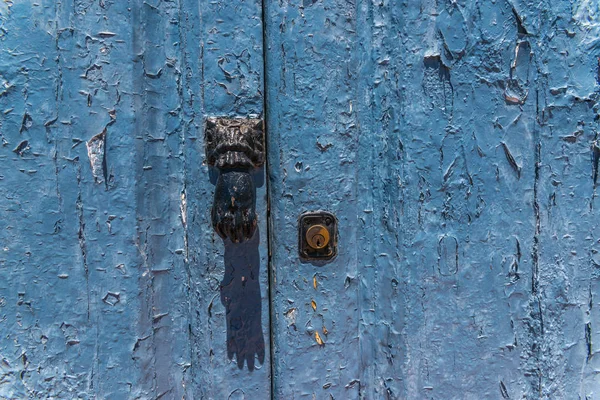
235	146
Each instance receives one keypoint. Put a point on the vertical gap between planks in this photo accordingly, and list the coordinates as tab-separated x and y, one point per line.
268	222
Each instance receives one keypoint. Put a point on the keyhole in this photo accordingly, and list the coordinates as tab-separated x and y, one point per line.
318	241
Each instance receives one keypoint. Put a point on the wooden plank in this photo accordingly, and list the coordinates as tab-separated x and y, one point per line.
162	349
223	76
313	134
37	263
82	282
567	281
451	218
446	291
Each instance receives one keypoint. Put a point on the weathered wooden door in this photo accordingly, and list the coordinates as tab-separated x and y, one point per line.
456	143
112	282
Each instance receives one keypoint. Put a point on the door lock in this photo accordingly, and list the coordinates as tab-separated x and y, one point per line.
317	236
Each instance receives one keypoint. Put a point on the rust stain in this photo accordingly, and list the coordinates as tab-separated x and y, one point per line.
320	341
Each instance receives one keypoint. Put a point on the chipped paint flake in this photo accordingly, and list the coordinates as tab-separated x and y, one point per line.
96	154
291	315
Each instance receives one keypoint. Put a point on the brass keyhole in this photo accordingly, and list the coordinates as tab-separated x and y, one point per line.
317	236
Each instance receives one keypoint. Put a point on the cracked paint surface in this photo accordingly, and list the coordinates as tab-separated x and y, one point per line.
109	265
456	141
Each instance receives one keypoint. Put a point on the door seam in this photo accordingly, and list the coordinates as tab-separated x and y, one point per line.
268	221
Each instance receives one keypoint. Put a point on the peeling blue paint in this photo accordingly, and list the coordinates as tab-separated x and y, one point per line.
109	264
455	141
459	137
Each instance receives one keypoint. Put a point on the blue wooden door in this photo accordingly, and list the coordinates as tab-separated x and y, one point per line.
112	282
456	142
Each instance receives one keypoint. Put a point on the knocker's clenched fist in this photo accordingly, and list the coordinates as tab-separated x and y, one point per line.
236	147
233	212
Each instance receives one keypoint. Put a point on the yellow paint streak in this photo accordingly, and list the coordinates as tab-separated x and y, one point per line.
325	331
313	304
315	281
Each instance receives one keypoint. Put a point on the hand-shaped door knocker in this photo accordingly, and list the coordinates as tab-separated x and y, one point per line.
235	146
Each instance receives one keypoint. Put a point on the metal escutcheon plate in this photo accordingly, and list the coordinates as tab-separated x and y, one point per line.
317	236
